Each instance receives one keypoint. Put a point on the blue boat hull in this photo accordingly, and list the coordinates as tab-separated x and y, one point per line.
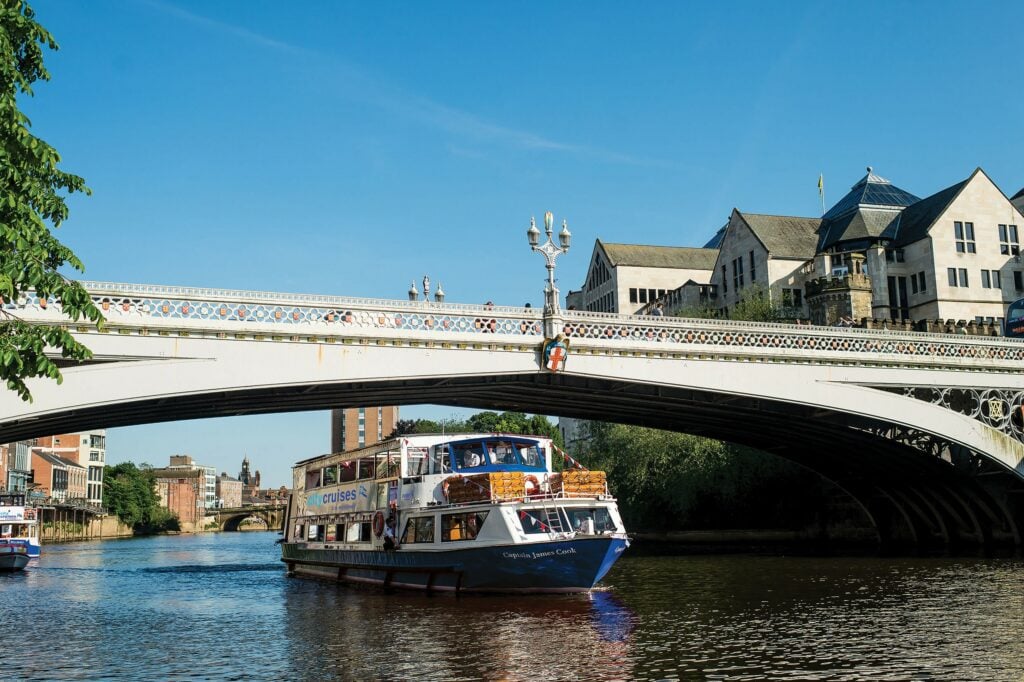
574	565
33	549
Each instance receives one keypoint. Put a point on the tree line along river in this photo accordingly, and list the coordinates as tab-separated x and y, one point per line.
219	606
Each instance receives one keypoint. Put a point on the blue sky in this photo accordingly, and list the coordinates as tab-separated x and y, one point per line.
348	148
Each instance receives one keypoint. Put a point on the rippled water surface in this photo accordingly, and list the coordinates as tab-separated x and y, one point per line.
220	607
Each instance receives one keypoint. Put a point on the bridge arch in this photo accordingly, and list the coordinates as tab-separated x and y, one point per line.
845	403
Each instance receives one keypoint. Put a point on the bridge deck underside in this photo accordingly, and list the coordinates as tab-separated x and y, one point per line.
914	488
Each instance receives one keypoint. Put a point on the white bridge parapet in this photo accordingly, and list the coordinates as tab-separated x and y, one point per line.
278	316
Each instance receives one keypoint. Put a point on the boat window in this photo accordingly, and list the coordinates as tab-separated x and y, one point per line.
418	529
535	521
300	531
531	454
334	532
466	526
469	456
367	467
347	472
439	462
330	475
416	462
352	533
387	464
312	479
502	452
364	531
315	533
590	520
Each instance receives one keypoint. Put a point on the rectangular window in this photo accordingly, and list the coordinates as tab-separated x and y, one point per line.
652	294
753	267
643	295
952	276
418	529
963	234
1008	242
963	277
457	527
921	282
787	298
725	281
997	281
1018	280
913	285
986	283
798	298
633	295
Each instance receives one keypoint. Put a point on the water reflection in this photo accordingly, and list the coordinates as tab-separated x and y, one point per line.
466	638
220	607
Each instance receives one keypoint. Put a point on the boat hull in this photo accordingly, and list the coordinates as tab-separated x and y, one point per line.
571	565
13	558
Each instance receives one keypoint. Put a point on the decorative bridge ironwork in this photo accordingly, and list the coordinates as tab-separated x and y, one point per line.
849	403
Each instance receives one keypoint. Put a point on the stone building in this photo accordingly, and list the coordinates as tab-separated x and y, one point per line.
764	253
58	478
182	491
623	278
229	491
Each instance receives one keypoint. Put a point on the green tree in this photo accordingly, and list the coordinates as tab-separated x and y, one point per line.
32	200
129	492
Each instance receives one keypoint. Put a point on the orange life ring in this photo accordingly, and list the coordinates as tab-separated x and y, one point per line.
532	485
378	524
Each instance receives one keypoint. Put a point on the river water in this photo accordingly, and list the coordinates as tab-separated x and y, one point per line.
219	606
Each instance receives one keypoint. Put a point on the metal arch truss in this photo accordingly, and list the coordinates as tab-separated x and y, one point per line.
963	459
1001	409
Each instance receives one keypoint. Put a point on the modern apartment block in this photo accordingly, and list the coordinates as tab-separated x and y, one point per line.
356	427
87	449
58	478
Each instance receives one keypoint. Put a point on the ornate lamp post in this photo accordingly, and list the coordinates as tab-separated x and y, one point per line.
414	293
552	318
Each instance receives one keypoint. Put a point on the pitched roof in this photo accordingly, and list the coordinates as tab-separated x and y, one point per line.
863	223
871	191
716	241
682	257
784	236
917	219
1018	195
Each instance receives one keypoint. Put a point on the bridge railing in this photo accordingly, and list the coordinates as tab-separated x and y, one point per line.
221	311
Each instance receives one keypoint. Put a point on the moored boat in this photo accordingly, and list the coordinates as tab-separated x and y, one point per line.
19	525
461	513
13	557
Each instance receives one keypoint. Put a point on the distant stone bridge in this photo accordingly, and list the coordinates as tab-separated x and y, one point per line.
925	431
270	516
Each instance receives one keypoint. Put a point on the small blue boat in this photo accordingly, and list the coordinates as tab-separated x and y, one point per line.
456	513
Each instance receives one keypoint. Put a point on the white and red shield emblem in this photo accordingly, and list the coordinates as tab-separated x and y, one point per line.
555	353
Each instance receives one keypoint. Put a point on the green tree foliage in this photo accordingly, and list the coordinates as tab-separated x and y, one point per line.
32	199
484	422
129	492
667	480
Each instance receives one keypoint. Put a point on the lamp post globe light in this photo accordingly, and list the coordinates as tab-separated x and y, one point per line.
552	323
414	292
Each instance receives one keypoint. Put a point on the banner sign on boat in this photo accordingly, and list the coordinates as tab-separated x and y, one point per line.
554	353
345	498
12	514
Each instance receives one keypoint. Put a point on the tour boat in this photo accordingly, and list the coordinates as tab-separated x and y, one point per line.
19	524
13	557
466	512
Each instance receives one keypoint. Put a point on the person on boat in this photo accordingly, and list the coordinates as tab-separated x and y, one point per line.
389	533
